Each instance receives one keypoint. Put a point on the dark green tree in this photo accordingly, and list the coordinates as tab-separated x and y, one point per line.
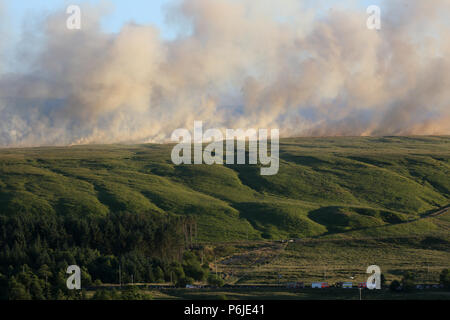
395	285
17	291
215	281
444	278
408	281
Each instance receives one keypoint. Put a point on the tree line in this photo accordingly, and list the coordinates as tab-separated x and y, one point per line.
124	247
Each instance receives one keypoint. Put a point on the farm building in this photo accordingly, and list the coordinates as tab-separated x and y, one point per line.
319	285
347	285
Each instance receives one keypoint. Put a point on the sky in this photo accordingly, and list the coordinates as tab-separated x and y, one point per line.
139	11
16	13
123	11
306	67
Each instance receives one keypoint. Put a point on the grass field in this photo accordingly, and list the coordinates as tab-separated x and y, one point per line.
267	293
324	186
335	260
348	202
300	294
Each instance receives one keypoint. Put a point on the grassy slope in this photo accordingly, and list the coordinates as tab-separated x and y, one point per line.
325	186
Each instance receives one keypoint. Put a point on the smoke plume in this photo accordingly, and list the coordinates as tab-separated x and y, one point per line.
234	64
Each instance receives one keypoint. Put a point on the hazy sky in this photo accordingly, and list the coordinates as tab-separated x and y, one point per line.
137	70
16	14
123	11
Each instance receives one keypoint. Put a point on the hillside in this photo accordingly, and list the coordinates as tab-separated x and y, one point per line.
359	186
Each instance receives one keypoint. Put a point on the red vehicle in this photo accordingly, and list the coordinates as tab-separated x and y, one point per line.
362	285
319	285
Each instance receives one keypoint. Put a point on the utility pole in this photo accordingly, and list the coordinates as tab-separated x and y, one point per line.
120	278
215	264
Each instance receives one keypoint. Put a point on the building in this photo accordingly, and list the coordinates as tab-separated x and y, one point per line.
347	285
320	285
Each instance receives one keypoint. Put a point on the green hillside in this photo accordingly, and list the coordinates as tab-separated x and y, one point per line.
325	187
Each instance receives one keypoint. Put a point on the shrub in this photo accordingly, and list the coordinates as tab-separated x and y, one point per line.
215	281
181	283
408	281
445	278
133	293
395	285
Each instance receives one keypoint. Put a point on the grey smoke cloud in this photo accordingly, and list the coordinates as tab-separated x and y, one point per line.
244	64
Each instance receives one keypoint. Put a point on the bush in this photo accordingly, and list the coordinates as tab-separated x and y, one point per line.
183	282
395	285
105	295
223	251
445	278
175	272
98	283
134	293
215	281
17	291
192	267
159	274
408	283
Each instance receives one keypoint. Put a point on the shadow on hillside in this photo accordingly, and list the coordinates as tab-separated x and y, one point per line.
332	218
337	220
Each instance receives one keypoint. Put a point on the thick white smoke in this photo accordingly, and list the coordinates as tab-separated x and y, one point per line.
241	64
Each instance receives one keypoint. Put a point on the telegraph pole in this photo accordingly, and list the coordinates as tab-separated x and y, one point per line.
215	264
120	278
